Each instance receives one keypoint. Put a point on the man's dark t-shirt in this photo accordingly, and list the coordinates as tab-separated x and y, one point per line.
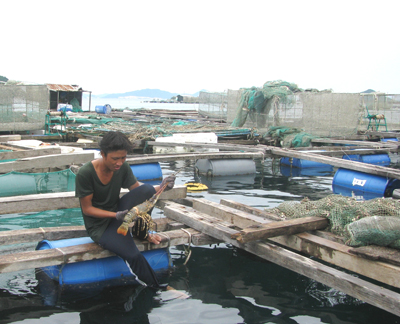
105	197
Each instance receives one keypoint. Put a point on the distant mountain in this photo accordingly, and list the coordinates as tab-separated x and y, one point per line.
147	93
368	91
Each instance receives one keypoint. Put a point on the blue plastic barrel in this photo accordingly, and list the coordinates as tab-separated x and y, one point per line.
106	109
376	159
363	183
352	157
302	164
99	269
147	171
321	171
389	139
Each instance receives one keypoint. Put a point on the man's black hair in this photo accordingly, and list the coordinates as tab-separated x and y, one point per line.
115	141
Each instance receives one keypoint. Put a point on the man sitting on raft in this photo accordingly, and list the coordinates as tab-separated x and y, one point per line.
98	186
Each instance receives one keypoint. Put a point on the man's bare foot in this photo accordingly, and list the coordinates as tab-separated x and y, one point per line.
175	294
154	238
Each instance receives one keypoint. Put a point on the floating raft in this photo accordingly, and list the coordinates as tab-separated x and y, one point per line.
258	232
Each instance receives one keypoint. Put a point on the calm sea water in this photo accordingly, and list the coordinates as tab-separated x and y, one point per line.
224	284
134	103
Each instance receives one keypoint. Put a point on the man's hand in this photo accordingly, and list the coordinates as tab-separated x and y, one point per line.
169	181
121	214
154	238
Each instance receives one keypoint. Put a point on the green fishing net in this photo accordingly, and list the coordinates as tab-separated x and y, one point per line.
19	183
256	102
360	223
289	137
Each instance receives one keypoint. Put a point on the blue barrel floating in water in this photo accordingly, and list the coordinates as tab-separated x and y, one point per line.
106	109
99	269
147	171
349	180
376	159
302	164
288	171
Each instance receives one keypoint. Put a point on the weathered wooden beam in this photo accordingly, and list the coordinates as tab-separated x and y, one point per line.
84	252
226	147
347	142
250	210
42	233
378	253
29	153
287	227
340	163
62	200
47	161
390	134
12	137
233	216
353	286
348	151
152	158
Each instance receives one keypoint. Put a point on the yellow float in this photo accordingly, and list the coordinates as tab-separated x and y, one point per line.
194	186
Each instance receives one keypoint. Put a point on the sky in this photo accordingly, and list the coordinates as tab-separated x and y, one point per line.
187	46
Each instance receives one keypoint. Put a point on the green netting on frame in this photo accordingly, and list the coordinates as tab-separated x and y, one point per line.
256	102
19	183
290	137
361	223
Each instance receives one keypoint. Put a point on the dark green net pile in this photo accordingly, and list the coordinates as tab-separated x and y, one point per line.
361	223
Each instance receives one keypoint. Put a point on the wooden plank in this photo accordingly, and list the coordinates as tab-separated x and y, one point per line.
287	227
152	158
378	253
250	210
347	142
233	216
353	286
12	137
348	151
330	251
42	233
47	161
29	153
340	163
227	147
390	134
90	251
62	200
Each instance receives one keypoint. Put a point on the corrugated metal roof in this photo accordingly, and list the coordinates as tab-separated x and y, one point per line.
62	87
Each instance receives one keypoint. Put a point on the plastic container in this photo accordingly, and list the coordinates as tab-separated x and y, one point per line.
64	107
106	109
225	167
363	183
99	269
302	164
147	171
376	159
288	171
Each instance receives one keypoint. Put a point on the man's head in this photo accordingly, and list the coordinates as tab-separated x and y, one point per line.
115	141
